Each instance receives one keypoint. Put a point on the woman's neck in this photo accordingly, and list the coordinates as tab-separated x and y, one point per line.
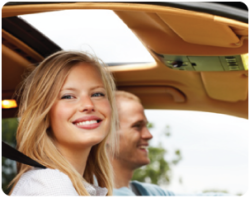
77	157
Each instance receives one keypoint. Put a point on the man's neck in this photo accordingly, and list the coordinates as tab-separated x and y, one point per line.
122	173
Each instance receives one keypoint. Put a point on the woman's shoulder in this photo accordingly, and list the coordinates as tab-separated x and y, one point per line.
44	182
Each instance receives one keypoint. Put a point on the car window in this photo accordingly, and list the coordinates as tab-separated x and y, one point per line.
95	31
214	150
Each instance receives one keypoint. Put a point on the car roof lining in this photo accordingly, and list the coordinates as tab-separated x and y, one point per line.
231	10
163	25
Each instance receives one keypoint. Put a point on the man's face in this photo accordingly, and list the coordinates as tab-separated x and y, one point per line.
134	134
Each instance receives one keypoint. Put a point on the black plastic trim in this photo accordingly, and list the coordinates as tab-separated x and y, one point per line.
32	3
233	10
235	4
30	36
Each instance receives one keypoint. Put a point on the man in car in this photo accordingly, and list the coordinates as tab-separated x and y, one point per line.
134	136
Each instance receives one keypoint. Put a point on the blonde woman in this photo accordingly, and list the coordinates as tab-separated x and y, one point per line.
67	113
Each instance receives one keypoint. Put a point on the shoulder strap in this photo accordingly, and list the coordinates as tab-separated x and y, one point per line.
13	154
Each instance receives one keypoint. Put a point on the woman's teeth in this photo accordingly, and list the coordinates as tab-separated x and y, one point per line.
143	147
86	122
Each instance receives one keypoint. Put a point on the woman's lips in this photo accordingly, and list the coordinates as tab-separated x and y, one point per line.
90	125
86	118
88	122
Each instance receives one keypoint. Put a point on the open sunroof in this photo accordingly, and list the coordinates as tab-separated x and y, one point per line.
98	32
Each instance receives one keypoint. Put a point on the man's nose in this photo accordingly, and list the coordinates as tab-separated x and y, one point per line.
86	104
146	134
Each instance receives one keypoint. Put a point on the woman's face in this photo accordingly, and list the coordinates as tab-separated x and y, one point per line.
81	115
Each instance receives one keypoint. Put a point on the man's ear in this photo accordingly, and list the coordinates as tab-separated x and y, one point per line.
108	141
108	148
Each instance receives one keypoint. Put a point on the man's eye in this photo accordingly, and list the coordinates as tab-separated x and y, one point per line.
137	126
99	94
67	97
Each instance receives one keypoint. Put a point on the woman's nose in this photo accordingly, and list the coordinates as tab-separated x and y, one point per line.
87	105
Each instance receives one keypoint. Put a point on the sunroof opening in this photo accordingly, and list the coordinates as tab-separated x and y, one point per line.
99	32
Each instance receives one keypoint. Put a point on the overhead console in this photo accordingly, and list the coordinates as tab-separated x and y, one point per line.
205	63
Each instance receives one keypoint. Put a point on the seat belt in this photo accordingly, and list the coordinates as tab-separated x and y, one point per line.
13	154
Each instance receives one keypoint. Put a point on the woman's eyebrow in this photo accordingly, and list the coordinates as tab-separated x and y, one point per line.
98	86
68	88
74	89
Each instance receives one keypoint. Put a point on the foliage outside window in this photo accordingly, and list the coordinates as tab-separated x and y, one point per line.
9	127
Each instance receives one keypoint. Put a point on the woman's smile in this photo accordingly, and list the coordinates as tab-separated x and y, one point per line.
88	122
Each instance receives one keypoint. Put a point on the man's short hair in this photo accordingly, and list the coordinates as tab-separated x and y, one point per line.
126	95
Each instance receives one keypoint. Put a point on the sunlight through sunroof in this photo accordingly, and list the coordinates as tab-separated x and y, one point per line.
99	32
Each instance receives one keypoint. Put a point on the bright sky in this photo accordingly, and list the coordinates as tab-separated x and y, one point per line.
214	147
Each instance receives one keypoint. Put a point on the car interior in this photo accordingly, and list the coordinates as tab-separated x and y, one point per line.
200	52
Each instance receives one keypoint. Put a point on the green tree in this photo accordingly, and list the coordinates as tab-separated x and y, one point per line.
9	127
159	170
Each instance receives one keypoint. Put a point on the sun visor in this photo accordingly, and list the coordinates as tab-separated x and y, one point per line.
226	86
181	32
203	29
169	93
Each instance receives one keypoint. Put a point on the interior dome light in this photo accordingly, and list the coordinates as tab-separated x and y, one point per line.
7	104
245	60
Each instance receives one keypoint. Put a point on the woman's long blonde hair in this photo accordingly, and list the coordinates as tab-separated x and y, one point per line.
38	94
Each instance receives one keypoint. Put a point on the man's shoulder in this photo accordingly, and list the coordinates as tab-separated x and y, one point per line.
151	189
144	189
147	189
124	191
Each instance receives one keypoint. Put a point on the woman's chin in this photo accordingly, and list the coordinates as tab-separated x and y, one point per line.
90	142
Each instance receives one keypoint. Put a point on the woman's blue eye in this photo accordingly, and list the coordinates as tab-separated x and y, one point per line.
98	94
67	97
